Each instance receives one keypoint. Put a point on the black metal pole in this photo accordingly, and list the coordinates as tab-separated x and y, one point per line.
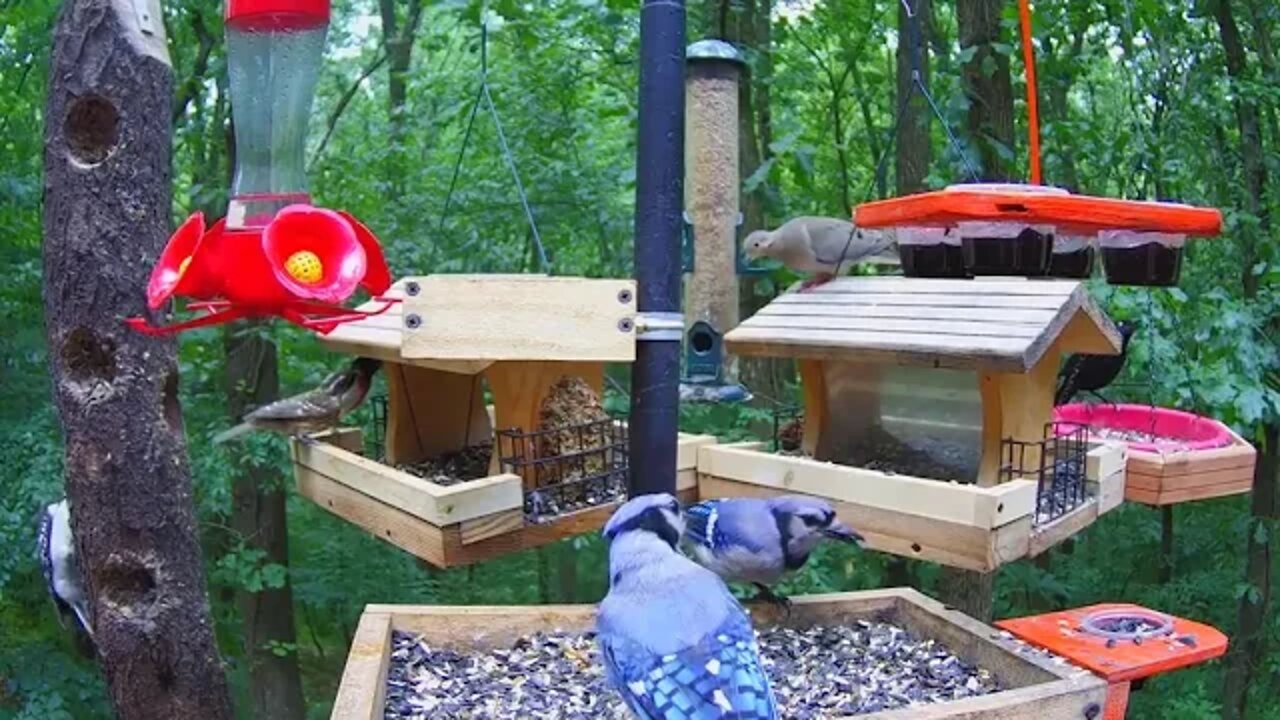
655	379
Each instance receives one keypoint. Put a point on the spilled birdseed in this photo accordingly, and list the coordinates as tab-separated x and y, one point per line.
1164	441
469	463
820	672
546	504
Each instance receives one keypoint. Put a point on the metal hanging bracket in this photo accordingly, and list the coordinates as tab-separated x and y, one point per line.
659	327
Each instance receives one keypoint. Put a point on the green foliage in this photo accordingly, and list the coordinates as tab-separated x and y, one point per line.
1135	103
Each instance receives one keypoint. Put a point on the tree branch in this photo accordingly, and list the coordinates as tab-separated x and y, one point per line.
341	107
198	71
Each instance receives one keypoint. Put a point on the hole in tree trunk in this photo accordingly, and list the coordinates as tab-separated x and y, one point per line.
172	407
89	357
92	129
127	581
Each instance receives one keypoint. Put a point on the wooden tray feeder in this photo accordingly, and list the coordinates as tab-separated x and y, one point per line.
452	336
1199	457
1033	685
927	414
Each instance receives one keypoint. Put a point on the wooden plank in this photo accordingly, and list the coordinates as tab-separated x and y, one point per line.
1109	490
962	299
1067	526
1105	458
362	691
1000	354
687	449
896	326
1007	316
904	534
1184	462
1152	497
983	508
347	438
1026	404
1175	483
814	386
387	523
1061	700
432	412
482	317
434	503
1014	286
483	528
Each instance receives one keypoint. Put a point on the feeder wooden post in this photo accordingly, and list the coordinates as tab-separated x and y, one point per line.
106	216
711	186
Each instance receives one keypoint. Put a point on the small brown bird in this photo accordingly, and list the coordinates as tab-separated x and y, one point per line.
817	244
314	410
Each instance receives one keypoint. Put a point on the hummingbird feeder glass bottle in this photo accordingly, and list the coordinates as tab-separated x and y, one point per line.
274	51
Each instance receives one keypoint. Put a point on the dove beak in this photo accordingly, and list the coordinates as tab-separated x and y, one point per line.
839	531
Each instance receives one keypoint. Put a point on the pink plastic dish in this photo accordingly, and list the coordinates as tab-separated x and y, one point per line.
1188	431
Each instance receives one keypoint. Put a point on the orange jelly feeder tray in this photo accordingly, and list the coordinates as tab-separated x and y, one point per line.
1120	643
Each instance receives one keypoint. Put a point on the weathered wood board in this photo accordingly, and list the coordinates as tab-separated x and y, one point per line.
1169	478
1036	687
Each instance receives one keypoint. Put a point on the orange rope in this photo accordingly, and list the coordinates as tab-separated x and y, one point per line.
1033	107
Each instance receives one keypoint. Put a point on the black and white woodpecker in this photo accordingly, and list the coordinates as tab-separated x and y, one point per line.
61	568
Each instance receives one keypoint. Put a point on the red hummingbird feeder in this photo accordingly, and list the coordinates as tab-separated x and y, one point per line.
274	255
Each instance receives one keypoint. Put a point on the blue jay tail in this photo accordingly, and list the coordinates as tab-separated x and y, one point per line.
839	531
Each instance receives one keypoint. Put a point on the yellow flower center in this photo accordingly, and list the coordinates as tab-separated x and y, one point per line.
305	267
182	267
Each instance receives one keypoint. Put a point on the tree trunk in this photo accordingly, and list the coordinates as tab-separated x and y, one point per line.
1248	647
398	41
989	125
106	217
988	85
258	519
914	150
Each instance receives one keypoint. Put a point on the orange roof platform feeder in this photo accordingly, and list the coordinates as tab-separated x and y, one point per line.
1076	214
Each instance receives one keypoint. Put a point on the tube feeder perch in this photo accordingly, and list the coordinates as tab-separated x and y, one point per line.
448	339
928	408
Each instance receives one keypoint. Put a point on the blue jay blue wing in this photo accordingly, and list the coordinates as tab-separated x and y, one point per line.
721	678
700	523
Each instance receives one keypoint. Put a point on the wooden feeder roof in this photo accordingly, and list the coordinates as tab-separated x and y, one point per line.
1000	324
465	323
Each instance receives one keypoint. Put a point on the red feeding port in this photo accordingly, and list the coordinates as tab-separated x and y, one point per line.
1120	643
277	15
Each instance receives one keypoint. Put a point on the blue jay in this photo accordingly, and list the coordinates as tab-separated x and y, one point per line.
755	541
675	643
61	568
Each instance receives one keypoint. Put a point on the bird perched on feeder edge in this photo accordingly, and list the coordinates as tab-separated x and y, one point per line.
314	410
1092	373
752	540
56	548
824	246
675	643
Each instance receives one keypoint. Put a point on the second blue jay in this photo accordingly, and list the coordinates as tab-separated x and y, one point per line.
675	643
756	541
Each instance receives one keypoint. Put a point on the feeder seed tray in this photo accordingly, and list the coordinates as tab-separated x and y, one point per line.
990	673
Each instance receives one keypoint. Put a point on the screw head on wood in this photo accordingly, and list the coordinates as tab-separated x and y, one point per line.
1092	711
626	325
412	321
412	288
624	297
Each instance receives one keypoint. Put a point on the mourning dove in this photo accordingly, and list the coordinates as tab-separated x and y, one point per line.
815	244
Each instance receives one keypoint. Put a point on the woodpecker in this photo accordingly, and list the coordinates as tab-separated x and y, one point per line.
60	565
314	410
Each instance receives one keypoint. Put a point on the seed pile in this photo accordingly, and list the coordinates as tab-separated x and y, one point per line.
1123	435
546	504
816	673
471	463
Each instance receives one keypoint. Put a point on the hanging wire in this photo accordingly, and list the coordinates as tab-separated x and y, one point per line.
915	50
484	94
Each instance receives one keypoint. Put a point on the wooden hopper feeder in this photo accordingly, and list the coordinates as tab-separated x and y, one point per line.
449	337
935	398
1031	683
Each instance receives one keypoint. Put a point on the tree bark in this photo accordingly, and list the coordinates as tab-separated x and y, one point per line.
399	45
258	519
106	217
989	121
914	150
